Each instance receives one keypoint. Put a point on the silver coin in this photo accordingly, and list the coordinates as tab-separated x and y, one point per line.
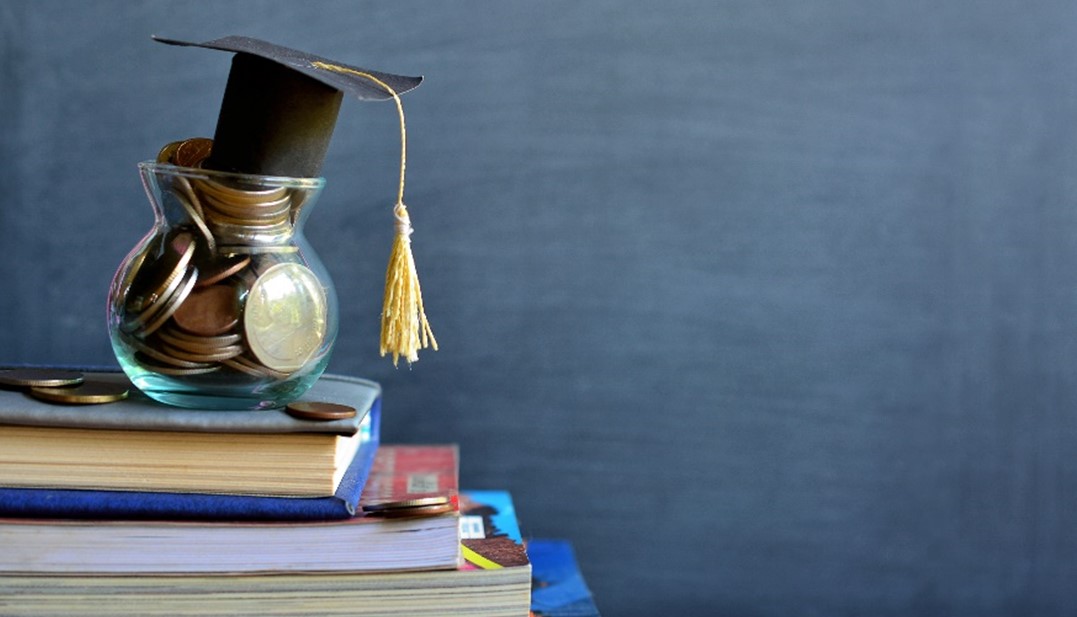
285	317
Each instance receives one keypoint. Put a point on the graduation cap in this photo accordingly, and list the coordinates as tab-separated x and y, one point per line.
280	105
277	117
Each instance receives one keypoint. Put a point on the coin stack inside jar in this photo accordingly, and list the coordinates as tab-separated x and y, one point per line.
225	289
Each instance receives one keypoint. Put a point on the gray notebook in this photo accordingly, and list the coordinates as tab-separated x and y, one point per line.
139	412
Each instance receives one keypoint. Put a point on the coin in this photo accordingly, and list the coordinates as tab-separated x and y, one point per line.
152	356
247	368
197	344
414	511
211	356
88	393
418	502
192	152
209	311
243	249
285	318
187	199
175	371
158	279
39	377
314	410
169	151
171	304
235	195
225	268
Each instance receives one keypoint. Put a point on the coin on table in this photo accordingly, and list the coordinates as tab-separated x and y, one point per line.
87	393
209	311
316	410
39	377
285	318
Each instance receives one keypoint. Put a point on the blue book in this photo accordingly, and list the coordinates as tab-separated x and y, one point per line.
558	587
23	418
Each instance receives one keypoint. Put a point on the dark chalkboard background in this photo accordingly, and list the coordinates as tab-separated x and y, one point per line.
769	307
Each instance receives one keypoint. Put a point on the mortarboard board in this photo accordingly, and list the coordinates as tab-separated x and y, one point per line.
280	105
277	117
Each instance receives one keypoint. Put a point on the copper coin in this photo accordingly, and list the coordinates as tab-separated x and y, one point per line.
314	410
158	279
224	353
169	151
414	511
219	271
209	311
193	151
197	344
246	365
147	362
171	304
39	377
88	393
418	502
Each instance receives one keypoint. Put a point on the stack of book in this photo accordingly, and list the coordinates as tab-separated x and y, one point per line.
136	508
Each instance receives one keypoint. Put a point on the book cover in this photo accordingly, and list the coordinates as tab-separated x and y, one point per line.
166	462
558	587
358	544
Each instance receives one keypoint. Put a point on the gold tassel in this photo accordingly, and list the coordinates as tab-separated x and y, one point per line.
404	328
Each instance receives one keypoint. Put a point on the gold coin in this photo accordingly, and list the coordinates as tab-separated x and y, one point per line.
169	151
414	512
245	210
285	317
39	377
239	195
418	502
88	393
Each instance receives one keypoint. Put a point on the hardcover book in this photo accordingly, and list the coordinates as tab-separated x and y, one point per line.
137	459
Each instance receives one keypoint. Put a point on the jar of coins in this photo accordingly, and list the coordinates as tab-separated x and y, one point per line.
223	304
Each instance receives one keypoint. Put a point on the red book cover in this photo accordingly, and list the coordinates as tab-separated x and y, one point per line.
401	473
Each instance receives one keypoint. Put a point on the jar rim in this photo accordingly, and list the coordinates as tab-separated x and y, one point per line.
249	179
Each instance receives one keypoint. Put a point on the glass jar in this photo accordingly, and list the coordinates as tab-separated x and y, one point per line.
223	304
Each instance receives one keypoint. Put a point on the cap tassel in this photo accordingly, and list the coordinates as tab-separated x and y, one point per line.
404	328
